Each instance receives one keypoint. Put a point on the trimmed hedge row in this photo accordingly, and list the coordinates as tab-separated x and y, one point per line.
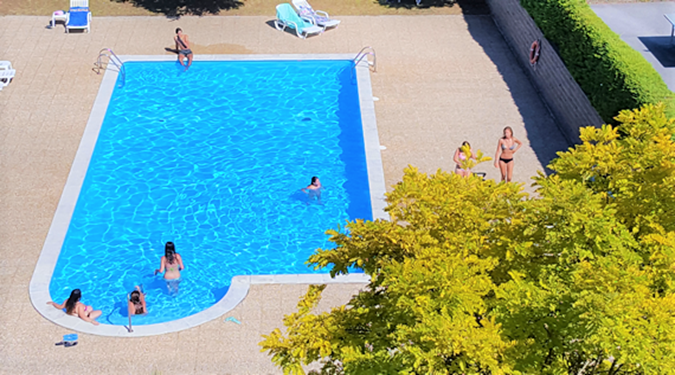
613	75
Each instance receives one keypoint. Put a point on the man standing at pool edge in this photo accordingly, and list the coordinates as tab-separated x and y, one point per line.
183	47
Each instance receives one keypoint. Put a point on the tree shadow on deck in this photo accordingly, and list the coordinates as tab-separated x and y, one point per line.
177	8
467	6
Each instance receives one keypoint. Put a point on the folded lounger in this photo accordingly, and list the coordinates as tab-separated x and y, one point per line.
6	73
320	17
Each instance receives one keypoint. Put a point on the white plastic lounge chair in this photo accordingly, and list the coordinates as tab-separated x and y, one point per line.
287	17
79	16
6	76
320	17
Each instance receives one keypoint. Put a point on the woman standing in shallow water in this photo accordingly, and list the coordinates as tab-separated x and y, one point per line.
313	190
171	264
506	147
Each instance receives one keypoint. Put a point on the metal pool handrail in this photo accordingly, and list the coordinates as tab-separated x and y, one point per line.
363	55
112	58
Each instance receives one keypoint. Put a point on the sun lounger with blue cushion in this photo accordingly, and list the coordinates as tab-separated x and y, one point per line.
79	16
287	17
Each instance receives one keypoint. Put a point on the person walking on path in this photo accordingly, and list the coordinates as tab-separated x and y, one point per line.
506	147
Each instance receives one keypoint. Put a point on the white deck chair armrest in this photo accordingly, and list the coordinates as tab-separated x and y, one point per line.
321	12
309	19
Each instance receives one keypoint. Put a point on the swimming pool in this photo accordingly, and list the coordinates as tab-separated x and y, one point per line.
213	159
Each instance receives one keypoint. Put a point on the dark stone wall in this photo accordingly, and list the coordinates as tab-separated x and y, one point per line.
567	103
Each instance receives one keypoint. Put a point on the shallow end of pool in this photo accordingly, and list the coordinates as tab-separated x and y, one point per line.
238	290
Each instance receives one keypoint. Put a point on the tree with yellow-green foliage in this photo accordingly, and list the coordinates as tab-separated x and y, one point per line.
475	277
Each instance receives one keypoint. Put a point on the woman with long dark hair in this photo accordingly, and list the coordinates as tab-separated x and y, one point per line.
171	265
74	307
313	190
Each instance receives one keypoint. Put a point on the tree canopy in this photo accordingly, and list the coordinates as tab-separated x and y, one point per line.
477	277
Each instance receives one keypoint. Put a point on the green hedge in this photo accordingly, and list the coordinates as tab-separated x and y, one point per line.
613	75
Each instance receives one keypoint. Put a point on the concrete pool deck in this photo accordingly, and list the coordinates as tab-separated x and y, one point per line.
644	27
441	80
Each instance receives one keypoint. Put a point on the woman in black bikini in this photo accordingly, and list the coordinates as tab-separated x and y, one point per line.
76	308
506	147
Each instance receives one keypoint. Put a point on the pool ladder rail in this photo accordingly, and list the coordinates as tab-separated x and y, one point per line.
101	65
363	56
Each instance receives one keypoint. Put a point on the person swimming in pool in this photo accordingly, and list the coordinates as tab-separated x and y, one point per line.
313	190
171	265
183	47
76	308
136	303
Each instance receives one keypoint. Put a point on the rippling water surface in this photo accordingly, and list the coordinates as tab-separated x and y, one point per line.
213	160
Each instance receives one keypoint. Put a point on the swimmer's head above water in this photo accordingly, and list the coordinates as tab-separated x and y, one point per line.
315	181
135	296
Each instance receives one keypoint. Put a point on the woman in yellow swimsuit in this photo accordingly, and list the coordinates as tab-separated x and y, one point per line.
171	265
76	308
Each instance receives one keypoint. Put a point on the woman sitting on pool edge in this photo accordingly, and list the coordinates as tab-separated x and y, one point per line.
313	190
137	302
171	265
74	307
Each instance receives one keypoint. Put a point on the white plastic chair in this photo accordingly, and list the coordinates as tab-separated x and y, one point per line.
6	73
320	17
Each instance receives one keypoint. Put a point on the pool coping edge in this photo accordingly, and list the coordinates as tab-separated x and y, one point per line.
46	263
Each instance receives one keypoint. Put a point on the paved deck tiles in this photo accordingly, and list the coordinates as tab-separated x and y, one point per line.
440	80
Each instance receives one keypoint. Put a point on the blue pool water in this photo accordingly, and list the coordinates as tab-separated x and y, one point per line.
213	160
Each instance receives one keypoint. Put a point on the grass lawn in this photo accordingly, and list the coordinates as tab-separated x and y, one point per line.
242	7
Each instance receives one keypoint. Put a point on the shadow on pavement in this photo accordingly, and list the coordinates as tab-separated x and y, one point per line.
662	47
411	4
467	6
288	30
177	8
543	134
